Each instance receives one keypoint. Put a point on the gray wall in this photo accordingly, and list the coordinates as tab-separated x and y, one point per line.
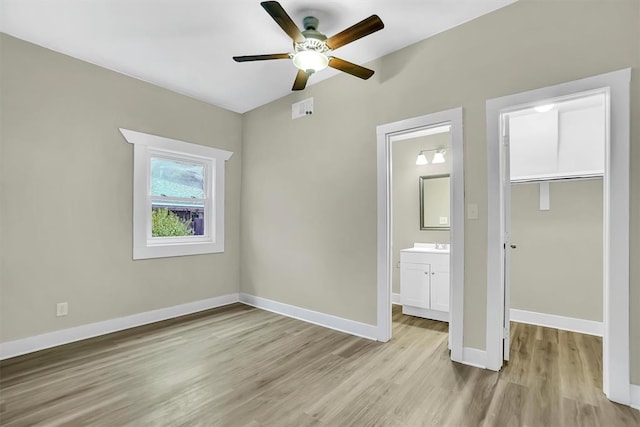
309	185
557	266
405	196
66	199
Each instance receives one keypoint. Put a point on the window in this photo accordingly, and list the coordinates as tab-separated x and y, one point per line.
178	197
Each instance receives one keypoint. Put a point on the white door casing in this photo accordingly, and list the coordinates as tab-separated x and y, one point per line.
452	117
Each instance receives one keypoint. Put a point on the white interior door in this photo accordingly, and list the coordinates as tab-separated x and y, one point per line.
506	222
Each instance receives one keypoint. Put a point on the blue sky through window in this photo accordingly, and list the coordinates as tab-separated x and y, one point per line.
171	178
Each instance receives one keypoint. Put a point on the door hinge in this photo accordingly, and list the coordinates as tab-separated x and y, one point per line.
505	332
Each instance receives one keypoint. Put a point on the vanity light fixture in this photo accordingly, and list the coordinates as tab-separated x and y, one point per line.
438	157
421	160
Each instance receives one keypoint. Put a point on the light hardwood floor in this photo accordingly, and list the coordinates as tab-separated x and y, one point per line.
240	366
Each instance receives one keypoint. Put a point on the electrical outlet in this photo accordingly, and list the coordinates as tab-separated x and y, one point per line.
62	309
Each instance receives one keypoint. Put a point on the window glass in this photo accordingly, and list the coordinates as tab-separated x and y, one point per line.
177	198
173	220
171	178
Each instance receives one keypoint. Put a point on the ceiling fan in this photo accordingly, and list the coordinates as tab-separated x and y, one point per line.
312	49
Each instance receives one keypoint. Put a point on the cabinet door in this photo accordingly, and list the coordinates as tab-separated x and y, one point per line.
414	284
439	289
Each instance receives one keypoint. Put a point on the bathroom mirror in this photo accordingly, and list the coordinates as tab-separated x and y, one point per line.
434	202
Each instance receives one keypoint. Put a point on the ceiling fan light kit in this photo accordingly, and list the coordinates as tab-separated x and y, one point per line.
310	61
312	49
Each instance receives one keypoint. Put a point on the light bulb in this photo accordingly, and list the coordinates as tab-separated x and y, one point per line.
421	160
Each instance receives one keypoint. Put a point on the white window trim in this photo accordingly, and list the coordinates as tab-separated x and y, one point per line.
146	145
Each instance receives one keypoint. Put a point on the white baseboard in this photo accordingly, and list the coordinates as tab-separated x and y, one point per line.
395	299
52	339
572	324
474	357
635	396
328	321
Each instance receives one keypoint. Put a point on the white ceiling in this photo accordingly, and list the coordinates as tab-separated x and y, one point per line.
187	45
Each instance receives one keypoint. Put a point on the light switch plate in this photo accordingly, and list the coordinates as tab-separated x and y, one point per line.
62	309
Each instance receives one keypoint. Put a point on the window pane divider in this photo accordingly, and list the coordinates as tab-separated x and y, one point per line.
176	199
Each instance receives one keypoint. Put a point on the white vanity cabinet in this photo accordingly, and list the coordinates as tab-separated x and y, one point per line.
424	281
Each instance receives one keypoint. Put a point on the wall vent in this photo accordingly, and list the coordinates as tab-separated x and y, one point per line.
302	108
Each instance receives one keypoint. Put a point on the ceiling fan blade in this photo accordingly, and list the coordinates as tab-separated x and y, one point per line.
355	32
301	80
248	58
279	15
350	68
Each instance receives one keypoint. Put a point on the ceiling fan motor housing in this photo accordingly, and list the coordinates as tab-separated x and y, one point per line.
310	23
314	40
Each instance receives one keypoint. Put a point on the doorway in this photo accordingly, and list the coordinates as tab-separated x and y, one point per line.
386	135
420	232
554	214
615	88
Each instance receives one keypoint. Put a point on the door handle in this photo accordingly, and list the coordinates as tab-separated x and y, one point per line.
513	246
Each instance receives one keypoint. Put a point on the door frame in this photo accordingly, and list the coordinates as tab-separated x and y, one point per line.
616	356
452	117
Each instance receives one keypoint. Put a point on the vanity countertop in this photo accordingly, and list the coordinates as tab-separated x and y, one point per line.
433	248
